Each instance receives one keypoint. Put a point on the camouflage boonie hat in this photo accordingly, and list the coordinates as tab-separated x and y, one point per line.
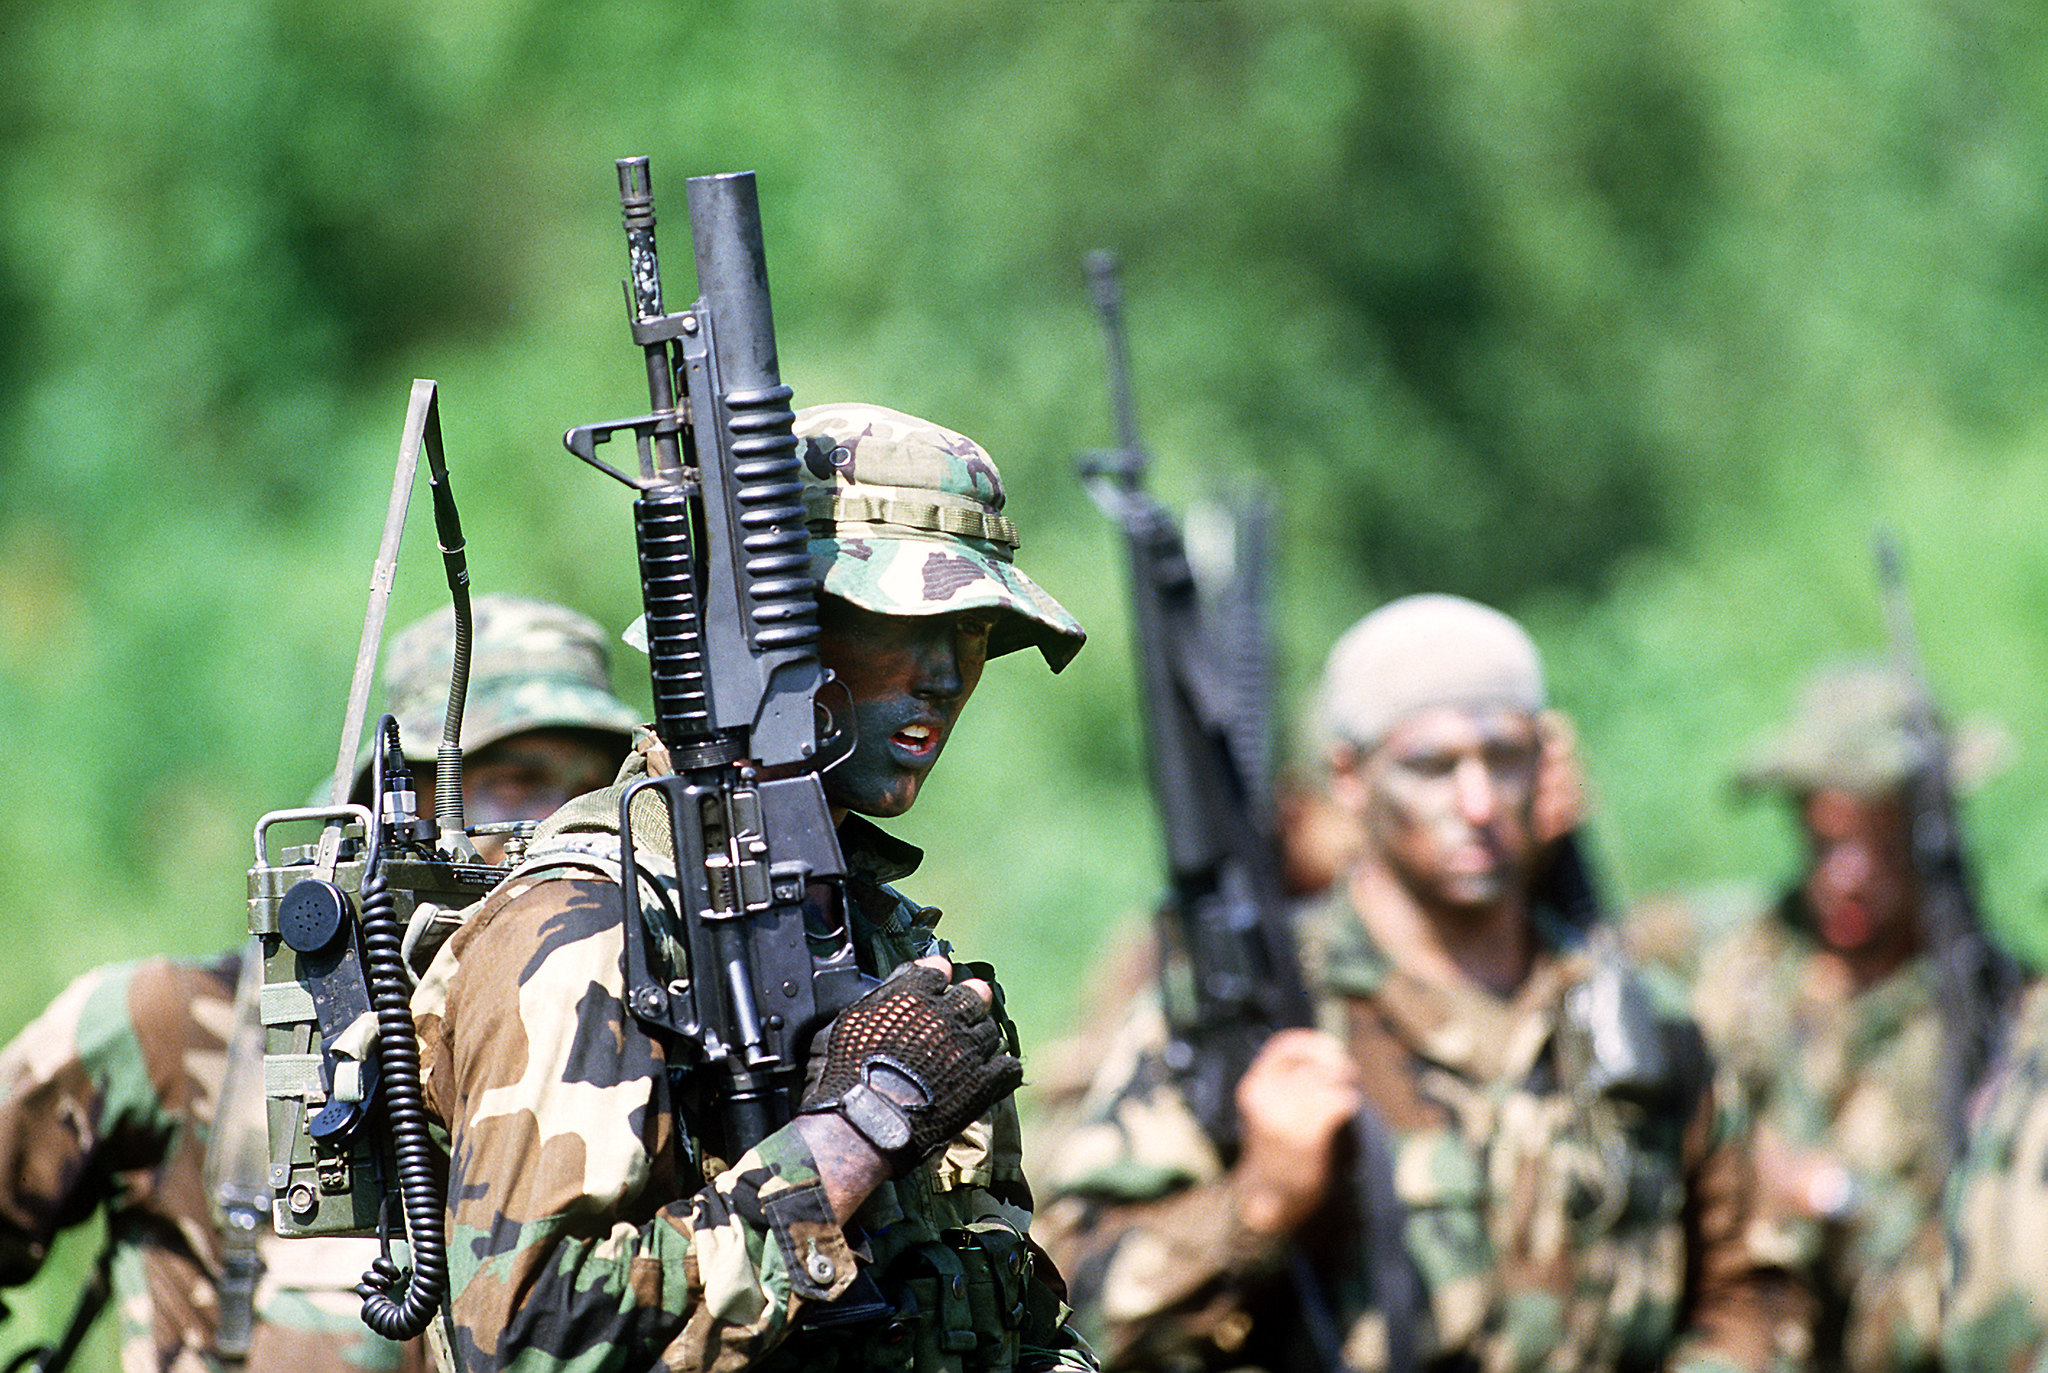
906	518
1851	731
532	665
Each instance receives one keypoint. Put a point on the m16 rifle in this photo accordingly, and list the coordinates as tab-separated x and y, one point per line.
335	919
758	899
1229	971
1977	984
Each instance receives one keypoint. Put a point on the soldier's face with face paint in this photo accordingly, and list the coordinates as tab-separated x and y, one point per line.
531	775
909	676
1448	803
1860	882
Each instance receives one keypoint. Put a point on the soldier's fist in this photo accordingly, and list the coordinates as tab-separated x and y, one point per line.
1292	1104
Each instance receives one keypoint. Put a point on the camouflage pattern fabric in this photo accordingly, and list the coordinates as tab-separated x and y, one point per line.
906	518
106	1102
1844	1075
1553	1225
533	665
1851	729
1996	1313
592	1227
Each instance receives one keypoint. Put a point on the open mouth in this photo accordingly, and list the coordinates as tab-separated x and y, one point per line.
919	741
1848	924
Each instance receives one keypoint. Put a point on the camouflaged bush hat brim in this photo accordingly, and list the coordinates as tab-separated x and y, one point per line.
906	518
896	574
1851	731
502	707
533	665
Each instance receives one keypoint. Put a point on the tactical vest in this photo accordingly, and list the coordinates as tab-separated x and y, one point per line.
1575	1150
952	1273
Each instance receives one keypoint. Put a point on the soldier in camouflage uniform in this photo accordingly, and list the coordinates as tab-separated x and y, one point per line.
109	1099
1573	1190
593	1224
1823	1007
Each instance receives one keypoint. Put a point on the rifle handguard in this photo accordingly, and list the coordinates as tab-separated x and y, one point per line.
911	1064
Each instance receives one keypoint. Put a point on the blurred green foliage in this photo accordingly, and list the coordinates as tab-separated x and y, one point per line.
1635	318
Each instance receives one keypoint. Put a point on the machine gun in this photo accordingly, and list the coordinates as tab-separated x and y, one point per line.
1229	972
336	920
758	898
1204	673
1977	984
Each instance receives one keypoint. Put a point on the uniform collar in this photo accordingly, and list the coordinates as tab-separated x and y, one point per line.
1460	1025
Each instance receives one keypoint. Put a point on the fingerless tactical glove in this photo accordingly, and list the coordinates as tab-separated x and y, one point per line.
911	1064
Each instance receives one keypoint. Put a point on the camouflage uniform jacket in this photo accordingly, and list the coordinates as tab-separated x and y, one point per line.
591	1229
1552	1225
1995	1316
1846	1075
107	1101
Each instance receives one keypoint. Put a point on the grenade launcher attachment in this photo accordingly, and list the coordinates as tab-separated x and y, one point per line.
757	905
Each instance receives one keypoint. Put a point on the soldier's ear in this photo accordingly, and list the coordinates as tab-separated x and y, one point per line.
1560	801
1347	775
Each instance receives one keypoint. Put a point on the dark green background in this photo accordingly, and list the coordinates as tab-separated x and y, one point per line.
1634	318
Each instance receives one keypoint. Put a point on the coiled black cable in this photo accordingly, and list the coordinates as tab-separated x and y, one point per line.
396	1304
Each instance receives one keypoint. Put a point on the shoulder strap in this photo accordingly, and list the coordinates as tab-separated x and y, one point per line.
237	1164
588	851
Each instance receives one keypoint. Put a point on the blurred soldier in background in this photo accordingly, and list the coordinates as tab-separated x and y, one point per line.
1574	1187
598	1219
109	1099
1824	1008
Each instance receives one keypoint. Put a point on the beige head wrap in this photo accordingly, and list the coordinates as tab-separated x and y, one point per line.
1423	651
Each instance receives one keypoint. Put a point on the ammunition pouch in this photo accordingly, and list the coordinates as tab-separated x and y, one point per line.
961	1303
1636	1080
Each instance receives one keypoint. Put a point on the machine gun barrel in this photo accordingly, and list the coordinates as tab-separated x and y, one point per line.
1977	983
731	627
1225	905
1205	678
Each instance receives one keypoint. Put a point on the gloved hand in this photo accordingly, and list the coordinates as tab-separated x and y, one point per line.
911	1064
